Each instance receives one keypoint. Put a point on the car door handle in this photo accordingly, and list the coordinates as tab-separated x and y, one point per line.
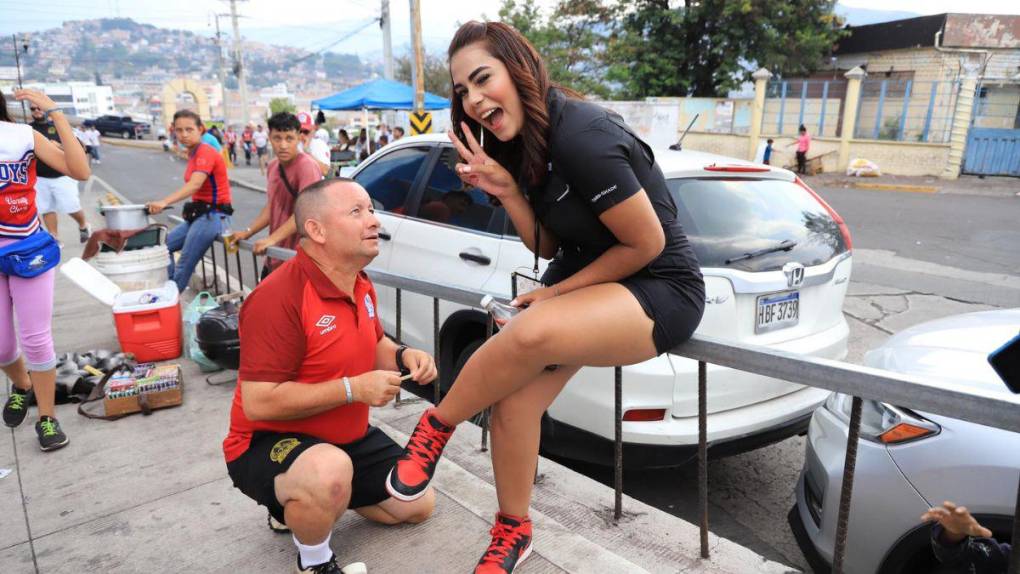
384	235
468	256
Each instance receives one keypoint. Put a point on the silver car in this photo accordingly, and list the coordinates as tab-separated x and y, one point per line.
908	461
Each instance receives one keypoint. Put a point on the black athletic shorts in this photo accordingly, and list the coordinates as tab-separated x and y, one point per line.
271	454
674	301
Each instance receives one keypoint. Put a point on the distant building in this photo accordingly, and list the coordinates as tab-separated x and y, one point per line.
83	99
938	48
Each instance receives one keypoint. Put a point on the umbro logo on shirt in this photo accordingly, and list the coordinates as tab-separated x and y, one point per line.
326	323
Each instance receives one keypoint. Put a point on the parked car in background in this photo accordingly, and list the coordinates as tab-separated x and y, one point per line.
908	461
122	126
776	260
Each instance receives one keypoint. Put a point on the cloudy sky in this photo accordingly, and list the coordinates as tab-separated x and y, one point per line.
315	24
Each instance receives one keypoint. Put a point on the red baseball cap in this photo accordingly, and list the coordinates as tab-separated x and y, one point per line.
307	123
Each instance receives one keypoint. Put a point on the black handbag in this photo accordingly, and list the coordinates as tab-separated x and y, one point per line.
217	335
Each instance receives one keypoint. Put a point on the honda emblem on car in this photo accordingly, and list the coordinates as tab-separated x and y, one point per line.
794	274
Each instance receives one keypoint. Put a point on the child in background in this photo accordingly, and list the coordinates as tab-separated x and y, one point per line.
768	152
959	541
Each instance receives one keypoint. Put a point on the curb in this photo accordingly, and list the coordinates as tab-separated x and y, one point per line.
896	187
143	144
246	185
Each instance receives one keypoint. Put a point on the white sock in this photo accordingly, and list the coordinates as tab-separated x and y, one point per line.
315	553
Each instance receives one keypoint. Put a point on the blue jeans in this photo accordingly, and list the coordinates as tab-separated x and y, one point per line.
193	240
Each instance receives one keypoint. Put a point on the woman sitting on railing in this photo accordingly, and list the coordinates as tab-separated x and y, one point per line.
624	284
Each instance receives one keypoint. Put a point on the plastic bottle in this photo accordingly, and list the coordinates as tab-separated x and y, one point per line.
500	312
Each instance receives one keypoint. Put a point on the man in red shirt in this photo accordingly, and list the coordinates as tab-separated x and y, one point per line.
207	215
246	137
289	173
313	359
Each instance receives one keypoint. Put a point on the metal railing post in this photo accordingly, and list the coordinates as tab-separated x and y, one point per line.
255	265
205	280
931	109
878	112
435	345
215	273
400	337
490	327
906	110
703	455
1014	558
803	101
618	444
782	109
821	117
226	263
849	464
240	270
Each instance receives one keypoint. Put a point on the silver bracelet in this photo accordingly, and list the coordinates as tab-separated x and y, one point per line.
347	388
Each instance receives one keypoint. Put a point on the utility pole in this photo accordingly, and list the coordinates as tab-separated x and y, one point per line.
222	73
387	45
242	83
17	62
418	69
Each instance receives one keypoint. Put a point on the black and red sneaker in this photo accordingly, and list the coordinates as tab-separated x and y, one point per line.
411	475
511	545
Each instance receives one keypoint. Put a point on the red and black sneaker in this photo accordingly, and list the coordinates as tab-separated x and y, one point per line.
511	545
411	475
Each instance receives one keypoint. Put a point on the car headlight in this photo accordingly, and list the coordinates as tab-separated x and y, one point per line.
881	422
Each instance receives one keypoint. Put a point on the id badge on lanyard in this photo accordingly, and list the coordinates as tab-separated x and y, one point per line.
521	283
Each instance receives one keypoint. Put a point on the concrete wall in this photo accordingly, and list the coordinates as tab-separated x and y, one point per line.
899	158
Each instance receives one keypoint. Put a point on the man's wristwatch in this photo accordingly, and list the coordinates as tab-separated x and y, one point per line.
400	360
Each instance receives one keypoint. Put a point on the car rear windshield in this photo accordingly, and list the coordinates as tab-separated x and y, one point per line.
726	218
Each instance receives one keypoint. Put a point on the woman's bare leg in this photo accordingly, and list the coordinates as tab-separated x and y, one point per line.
600	326
516	430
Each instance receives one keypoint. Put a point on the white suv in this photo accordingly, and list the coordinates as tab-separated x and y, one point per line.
776	260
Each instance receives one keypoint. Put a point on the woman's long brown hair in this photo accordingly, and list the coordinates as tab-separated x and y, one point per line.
527	155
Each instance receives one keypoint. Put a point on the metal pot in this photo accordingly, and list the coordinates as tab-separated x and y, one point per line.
124	217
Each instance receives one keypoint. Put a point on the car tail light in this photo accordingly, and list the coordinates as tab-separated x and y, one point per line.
883	423
644	415
737	168
832	212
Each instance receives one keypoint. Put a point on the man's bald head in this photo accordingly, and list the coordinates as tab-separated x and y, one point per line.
314	201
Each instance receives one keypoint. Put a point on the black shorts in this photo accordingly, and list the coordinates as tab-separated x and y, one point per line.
271	454
674	303
261	151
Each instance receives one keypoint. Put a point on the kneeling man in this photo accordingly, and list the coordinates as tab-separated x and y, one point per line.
313	359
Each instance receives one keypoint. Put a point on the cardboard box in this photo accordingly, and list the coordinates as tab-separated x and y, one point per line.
148	375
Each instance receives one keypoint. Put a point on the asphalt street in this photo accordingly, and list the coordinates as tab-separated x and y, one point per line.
916	257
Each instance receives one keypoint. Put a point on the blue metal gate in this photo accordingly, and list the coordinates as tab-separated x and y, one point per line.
992	151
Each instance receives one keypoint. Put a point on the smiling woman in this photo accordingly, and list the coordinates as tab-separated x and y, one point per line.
583	190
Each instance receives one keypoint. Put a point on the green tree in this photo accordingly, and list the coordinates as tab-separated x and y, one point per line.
437	74
277	105
571	40
707	47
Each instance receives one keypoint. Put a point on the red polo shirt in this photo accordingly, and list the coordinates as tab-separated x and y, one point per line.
216	188
298	326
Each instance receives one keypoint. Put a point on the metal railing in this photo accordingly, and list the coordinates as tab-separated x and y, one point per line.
976	406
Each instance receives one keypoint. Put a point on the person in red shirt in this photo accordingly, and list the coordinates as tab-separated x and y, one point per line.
313	360
246	142
207	215
288	174
230	142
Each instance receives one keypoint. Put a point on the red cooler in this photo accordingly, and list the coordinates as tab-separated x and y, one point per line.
149	323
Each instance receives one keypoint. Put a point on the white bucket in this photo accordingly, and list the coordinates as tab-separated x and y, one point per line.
135	270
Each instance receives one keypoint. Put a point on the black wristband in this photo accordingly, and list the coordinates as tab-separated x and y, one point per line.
400	360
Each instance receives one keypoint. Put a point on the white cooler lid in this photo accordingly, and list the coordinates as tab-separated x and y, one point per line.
90	280
147	299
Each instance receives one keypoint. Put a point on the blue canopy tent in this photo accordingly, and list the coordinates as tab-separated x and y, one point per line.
378	95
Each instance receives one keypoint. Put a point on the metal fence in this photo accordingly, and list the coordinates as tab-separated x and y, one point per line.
892	108
815	104
859	382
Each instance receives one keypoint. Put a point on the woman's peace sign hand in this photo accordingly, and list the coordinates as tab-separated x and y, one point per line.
481	170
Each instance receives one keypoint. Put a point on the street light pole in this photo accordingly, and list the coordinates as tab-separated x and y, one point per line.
17	63
418	69
242	83
384	21
222	73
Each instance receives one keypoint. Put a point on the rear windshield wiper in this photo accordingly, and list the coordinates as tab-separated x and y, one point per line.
784	245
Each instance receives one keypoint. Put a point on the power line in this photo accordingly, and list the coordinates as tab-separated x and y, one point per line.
341	39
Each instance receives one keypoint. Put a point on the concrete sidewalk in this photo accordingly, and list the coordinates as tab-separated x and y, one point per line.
965	185
151	494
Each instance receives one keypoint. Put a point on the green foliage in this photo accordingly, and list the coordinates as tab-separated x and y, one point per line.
277	105
639	48
437	74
